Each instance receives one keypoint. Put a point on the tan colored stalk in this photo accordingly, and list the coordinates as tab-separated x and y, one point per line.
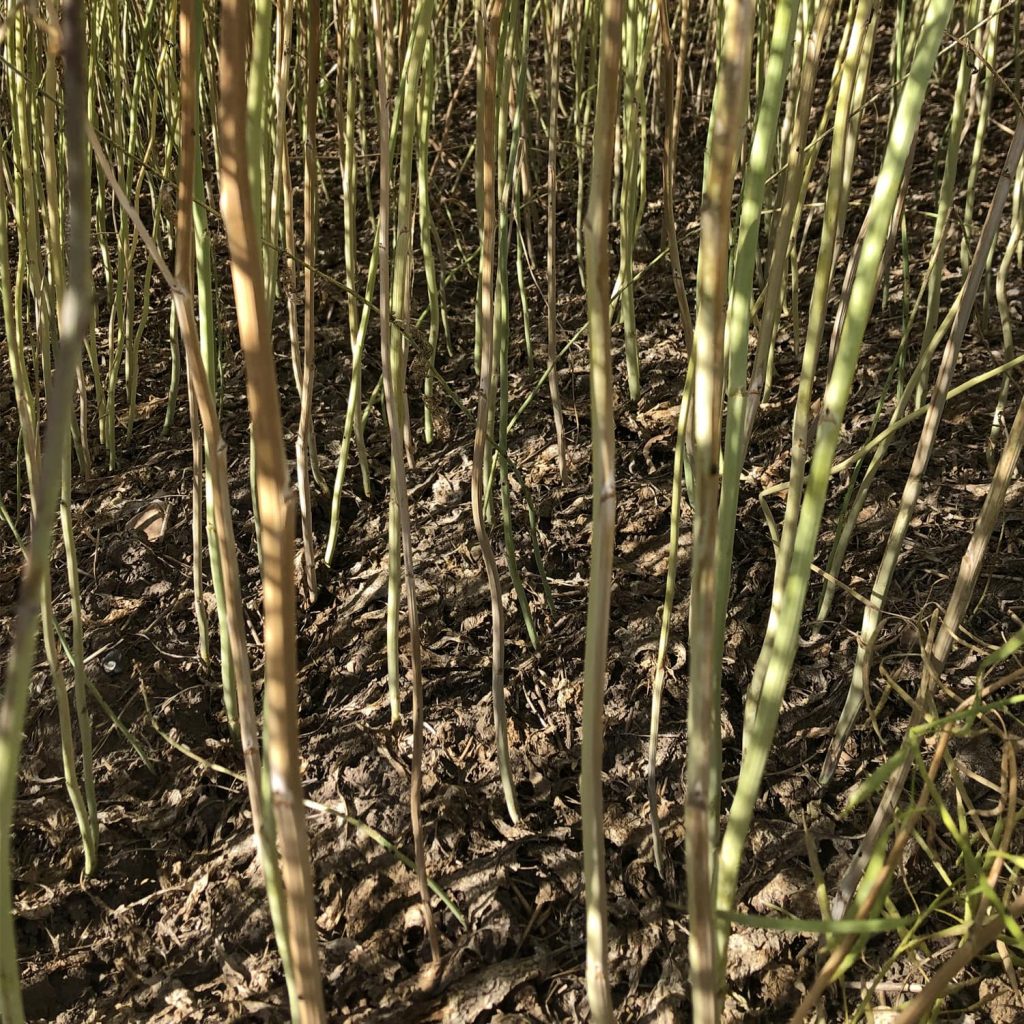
217	470
349	189
206	404
84	805
944	206
291	265
782	235
272	256
25	187
673	81
490	13
82	713
673	84
400	494
412	84
983	933
782	635
757	163
436	307
554	40
936	655
985	55
935	661
304	453
199	383
631	171
55	245
836	197
276	512
703	728
1005	320
46	290
83	817
198	598
602	544
75	317
922	455
852	507
350	35
408	136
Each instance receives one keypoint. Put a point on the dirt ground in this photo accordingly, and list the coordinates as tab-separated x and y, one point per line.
173	926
